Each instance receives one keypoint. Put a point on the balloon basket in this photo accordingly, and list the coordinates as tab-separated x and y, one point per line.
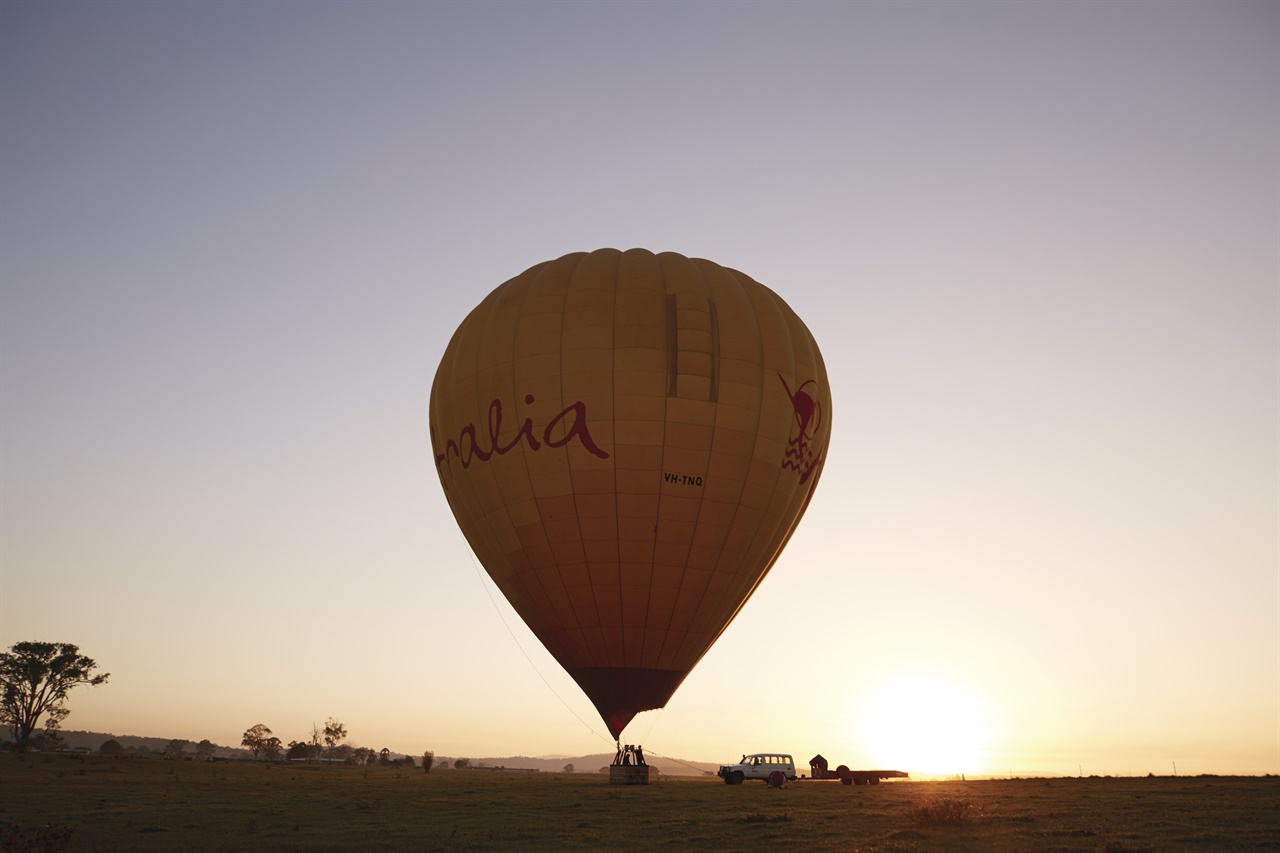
629	774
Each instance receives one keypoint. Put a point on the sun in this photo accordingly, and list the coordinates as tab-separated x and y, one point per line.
924	725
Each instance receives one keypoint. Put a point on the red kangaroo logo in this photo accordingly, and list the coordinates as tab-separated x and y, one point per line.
808	413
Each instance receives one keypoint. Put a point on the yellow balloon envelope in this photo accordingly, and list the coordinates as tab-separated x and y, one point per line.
628	440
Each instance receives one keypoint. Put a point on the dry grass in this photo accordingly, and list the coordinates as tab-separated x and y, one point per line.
946	810
55	803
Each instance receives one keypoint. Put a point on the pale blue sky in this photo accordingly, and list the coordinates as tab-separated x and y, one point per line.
1038	244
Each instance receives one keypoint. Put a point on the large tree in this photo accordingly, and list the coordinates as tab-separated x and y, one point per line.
334	733
255	738
272	748
35	679
302	749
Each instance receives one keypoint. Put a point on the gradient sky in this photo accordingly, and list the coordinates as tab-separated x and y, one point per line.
1038	243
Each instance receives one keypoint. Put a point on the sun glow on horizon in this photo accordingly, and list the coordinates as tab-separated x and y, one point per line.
924	725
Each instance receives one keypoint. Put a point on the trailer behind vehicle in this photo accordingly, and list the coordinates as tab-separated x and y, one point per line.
818	770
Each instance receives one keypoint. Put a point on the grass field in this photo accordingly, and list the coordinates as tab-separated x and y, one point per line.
85	803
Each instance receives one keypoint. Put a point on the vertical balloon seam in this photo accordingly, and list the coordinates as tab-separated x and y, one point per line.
679	644
748	287
525	284
765	533
794	524
666	634
573	274
497	299
536	278
617	534
517	580
672	369
578	260
650	261
455	497
715	348
763	299
445	373
732	280
654	263
671	328
477	324
471	327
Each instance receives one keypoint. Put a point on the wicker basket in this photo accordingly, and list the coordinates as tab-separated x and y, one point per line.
629	774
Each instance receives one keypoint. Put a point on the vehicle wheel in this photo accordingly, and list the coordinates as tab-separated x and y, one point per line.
846	780
734	778
874	780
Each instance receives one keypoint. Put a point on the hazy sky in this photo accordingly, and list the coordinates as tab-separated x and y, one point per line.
1038	244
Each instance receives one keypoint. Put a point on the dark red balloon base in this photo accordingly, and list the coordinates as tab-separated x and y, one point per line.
619	693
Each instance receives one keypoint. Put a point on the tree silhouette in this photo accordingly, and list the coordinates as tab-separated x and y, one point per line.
255	738
334	733
272	749
299	749
35	679
49	740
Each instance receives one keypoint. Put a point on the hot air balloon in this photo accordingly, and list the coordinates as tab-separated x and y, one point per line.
628	440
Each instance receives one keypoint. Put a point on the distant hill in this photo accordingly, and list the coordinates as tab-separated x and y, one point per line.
581	764
592	764
95	740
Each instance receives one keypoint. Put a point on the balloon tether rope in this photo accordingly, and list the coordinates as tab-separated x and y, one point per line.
676	760
479	576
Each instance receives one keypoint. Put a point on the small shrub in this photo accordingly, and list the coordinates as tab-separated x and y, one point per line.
946	810
46	839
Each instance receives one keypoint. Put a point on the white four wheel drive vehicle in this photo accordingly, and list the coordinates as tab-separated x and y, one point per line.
758	765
